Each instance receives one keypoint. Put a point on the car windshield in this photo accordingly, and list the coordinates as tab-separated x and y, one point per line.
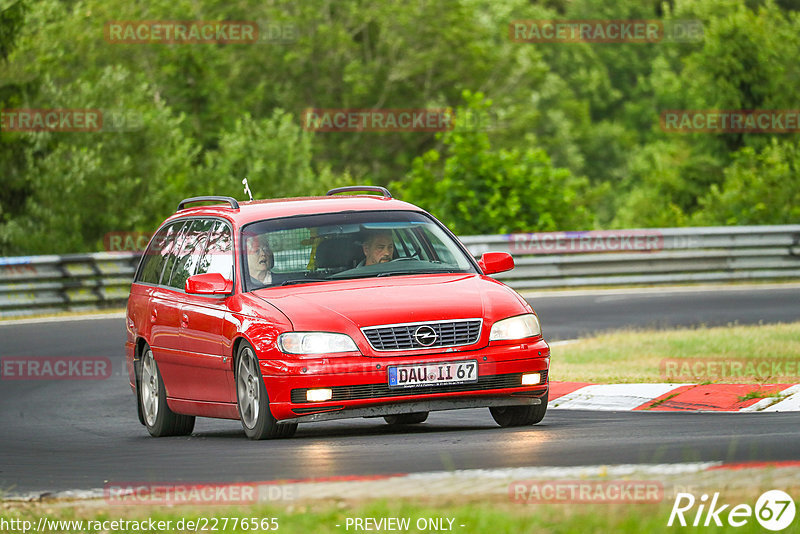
336	246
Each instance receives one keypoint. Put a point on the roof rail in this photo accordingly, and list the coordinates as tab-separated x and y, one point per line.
352	188
230	200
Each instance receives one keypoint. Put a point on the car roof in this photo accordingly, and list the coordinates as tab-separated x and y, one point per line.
257	210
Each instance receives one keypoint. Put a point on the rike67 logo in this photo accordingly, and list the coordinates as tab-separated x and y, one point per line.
774	510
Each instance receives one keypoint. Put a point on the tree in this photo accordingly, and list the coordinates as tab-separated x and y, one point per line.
759	188
274	154
81	185
475	189
13	147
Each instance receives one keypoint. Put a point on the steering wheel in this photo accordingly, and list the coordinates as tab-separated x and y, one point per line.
415	255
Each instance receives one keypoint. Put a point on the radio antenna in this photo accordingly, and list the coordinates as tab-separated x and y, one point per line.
247	188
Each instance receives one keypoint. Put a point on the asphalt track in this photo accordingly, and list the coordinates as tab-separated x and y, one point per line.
566	317
62	435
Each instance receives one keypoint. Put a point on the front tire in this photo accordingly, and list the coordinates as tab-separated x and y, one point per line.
406	418
252	400
158	418
508	416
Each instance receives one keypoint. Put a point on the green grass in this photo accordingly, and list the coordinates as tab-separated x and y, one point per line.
760	394
496	515
636	355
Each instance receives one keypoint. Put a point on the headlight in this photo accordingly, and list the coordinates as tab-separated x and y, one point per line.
518	327
315	343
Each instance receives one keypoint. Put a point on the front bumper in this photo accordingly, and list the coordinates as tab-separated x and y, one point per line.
360	383
413	407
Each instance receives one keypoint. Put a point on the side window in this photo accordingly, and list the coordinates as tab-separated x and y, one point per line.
156	254
218	257
172	249
193	246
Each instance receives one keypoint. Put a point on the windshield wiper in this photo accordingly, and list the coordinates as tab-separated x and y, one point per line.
428	271
303	281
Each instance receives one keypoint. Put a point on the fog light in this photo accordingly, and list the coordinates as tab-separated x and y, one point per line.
529	379
319	395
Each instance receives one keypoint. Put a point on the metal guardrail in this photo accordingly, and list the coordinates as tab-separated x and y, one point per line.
75	282
651	256
44	284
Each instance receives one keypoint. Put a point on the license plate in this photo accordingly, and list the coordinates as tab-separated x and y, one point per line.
433	374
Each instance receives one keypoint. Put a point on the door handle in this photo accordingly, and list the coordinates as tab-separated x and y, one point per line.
184	320
153	315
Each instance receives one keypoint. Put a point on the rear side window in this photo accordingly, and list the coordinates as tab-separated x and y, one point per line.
218	257
157	252
171	256
193	246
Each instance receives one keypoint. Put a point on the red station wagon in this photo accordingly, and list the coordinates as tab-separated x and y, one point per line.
279	312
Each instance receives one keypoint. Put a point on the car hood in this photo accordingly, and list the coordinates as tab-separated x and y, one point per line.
348	305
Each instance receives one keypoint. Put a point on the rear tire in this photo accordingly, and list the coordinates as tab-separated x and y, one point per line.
158	418
406	418
508	416
252	400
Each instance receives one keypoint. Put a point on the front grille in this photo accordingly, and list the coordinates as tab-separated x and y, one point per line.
377	391
403	336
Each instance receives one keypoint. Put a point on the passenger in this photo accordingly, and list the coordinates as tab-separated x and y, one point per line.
260	260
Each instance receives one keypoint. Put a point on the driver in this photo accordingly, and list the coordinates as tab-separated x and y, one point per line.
378	247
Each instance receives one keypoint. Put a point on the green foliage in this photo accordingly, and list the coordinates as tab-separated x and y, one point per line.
574	140
745	61
12	154
274	154
667	177
475	189
759	188
11	19
84	185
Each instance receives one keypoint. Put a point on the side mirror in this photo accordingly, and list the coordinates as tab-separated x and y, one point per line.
496	262
208	284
